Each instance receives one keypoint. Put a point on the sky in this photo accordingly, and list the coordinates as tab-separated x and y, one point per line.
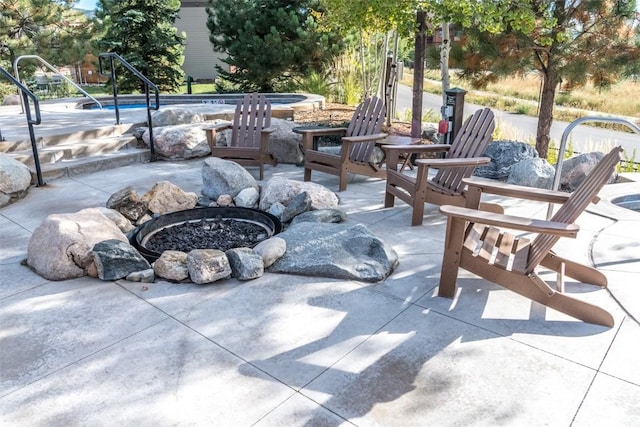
87	4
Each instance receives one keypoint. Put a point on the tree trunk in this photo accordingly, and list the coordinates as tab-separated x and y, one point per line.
418	75
545	118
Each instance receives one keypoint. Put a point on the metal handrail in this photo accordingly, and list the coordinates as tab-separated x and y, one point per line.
563	144
147	84
52	68
26	94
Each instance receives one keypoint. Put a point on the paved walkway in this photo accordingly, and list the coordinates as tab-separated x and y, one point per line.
288	350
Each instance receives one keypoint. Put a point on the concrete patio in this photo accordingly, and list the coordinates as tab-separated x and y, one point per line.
299	351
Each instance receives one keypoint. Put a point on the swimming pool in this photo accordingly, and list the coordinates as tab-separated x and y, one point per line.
630	201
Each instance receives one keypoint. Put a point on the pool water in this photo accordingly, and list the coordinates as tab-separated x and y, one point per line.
630	201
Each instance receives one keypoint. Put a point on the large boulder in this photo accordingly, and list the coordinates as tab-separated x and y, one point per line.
576	169
175	116
165	197
15	180
284	144
221	177
532	173
283	190
503	155
128	203
179	142
341	251
61	246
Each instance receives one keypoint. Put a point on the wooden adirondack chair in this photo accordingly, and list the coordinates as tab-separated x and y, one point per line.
358	142
250	130
475	242
461	158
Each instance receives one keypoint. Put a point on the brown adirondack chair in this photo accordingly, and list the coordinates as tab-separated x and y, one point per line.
250	130
476	242
446	187
358	142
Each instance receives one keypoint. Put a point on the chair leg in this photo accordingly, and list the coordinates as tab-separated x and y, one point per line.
389	199
307	174
418	211
261	171
583	273
343	179
451	257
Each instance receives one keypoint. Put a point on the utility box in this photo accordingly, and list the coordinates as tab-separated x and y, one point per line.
453	111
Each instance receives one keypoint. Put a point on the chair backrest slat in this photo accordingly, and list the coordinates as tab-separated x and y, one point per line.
470	141
575	205
253	113
366	120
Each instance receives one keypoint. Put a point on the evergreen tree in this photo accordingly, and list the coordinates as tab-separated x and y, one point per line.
142	32
49	29
269	41
568	42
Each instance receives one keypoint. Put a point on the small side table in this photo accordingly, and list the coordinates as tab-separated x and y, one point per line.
401	140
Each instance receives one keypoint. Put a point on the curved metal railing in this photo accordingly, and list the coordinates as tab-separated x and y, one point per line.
565	137
112	56
26	95
52	68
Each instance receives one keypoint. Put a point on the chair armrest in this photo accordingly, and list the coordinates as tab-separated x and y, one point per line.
364	138
518	191
453	162
219	127
510	221
320	131
417	148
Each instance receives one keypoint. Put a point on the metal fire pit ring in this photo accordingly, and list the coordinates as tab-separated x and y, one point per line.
269	222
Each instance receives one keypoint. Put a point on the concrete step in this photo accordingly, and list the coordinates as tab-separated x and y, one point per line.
95	163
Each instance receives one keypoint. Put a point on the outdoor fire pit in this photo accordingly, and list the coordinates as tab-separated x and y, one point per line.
220	228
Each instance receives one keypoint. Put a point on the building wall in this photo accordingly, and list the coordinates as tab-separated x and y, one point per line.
199	58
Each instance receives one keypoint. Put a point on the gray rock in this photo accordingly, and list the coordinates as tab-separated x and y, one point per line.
283	190
128	203
115	259
277	209
271	250
225	200
284	144
179	142
61	246
430	132
15	180
144	276
340	251
165	197
321	215
11	100
504	154
532	173
245	263
225	177
172	265
175	116
118	219
576	169
207	266
299	204
247	198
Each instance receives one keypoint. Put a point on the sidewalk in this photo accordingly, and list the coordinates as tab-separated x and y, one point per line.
286	350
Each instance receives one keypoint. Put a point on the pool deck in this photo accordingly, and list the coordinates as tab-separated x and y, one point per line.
286	350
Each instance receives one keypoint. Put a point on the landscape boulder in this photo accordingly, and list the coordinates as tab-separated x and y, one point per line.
284	144
179	142
503	155
222	177
284	190
61	246
115	259
340	251
207	266
245	263
576	169
534	172
128	203
165	197
175	116
15	180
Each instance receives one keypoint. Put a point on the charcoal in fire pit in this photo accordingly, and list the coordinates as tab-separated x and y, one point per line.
208	233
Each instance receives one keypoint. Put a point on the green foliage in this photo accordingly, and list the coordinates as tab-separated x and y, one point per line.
319	84
269	42
142	32
629	164
49	29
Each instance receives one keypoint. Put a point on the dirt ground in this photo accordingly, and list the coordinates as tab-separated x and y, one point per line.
337	114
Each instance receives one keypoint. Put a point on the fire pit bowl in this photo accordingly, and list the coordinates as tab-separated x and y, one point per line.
204	228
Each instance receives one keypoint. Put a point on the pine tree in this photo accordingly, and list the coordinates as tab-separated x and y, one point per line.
269	41
568	43
143	33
